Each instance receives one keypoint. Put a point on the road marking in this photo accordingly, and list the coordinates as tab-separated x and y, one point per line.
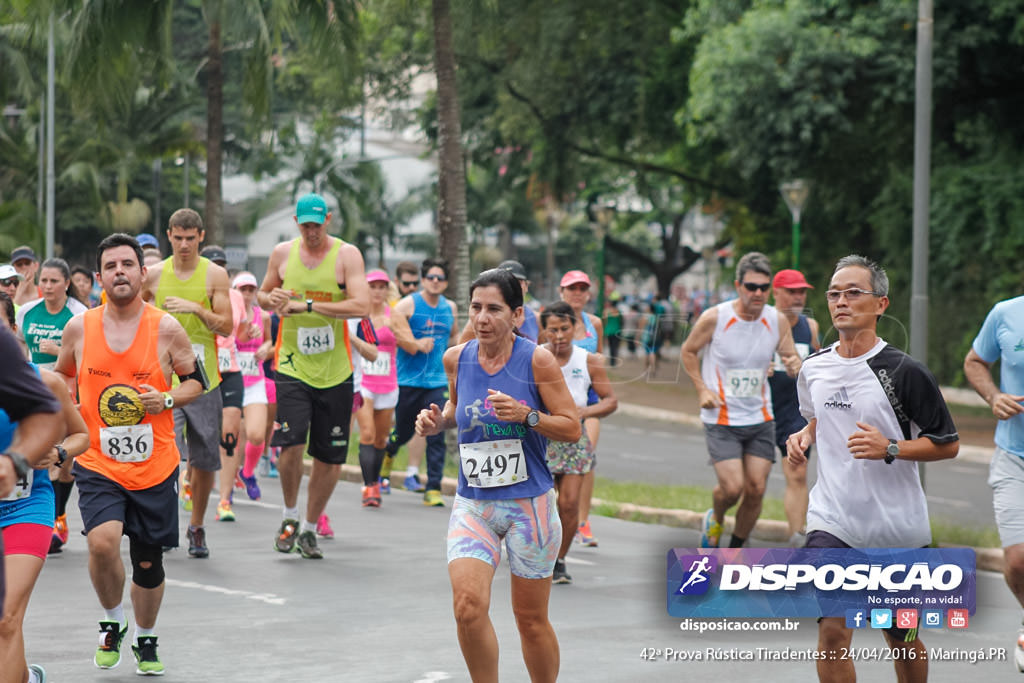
949	501
269	598
572	559
963	470
433	677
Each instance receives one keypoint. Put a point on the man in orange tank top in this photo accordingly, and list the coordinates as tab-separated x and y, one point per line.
123	354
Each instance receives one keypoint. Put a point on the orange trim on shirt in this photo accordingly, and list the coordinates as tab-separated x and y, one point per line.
723	408
730	323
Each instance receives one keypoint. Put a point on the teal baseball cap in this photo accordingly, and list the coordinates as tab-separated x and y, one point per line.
311	208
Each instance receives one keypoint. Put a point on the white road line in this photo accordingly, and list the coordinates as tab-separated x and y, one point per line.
948	501
572	559
269	598
433	677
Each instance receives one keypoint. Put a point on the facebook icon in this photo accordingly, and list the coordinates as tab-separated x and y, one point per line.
856	618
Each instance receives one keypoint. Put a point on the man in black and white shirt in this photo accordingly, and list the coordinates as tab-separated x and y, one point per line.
874	413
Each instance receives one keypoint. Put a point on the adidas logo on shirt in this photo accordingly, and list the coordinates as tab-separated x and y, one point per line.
839	400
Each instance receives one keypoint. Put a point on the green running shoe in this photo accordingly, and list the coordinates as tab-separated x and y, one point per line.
148	662
108	654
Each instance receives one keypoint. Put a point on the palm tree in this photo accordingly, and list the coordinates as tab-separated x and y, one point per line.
106	27
451	206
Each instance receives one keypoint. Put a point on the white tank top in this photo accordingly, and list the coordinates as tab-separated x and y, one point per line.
577	376
735	367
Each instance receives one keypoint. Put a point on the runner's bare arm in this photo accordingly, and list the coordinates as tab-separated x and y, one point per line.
798	443
435	419
150	281
179	359
607	404
76	439
699	337
266	349
979	374
786	347
815	331
220	319
403	333
367	351
562	422
270	295
868	443
70	351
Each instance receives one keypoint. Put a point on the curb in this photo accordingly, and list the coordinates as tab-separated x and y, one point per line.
980	455
771	530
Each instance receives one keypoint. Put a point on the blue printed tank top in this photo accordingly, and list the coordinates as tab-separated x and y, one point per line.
37	506
477	422
426	370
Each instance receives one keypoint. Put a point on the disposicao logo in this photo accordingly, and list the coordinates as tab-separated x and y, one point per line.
816	582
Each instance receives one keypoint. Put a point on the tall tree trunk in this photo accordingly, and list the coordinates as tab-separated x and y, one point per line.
451	206
214	129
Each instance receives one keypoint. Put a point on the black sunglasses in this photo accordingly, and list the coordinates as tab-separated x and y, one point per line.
12	282
751	287
409	283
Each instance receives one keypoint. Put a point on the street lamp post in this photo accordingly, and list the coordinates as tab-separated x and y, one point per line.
605	215
795	194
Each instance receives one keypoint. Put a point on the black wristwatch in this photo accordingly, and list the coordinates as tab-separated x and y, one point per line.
532	419
309	305
21	467
891	451
62	454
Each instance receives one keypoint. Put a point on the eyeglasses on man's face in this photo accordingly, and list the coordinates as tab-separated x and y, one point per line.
435	278
754	287
852	294
409	283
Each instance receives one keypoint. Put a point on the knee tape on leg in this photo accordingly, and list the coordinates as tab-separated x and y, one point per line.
228	443
153	575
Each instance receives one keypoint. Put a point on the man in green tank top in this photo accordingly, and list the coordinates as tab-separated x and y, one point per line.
195	291
314	283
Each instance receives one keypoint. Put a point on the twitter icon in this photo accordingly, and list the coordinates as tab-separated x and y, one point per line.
881	618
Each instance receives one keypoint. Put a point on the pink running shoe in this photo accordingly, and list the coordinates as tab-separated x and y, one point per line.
323	527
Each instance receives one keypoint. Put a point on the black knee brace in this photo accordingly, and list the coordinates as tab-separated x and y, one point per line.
151	576
228	443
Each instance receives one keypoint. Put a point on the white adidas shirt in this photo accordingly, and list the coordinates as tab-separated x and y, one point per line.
869	503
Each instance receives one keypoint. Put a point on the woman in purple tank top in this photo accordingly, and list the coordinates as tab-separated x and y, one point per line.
507	398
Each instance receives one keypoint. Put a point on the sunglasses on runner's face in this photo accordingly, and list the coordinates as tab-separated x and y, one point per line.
13	282
751	287
409	283
435	278
852	294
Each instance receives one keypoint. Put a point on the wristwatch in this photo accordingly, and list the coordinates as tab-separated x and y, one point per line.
532	419
20	465
891	451
62	454
309	305
168	400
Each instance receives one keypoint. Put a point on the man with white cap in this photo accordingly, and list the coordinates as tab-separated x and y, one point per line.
9	280
314	282
790	290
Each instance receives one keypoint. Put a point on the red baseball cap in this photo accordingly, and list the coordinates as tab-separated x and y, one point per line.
574	277
790	279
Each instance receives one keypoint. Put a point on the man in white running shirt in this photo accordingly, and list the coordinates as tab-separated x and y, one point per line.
739	339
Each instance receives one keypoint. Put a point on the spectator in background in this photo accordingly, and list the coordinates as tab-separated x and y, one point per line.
9	280
612	318
26	263
83	286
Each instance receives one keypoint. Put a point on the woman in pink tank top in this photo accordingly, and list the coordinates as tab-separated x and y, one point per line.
255	344
379	390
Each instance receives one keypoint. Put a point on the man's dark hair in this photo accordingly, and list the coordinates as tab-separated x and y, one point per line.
186	219
559	309
433	263
118	239
406	267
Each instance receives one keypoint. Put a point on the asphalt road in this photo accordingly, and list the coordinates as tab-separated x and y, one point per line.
377	608
658	452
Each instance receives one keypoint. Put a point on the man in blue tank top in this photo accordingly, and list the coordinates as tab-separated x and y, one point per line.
789	288
424	327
